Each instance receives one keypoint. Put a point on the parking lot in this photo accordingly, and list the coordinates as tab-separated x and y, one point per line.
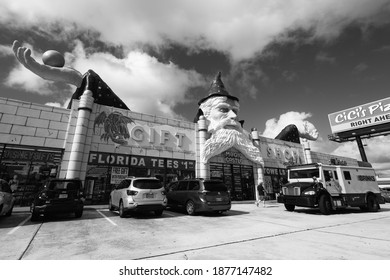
245	232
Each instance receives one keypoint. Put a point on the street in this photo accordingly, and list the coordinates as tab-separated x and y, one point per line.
245	232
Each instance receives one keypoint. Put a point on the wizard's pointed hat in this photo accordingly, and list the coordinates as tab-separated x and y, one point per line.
217	88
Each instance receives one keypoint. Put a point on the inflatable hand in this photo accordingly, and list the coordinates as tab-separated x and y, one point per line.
58	74
308	131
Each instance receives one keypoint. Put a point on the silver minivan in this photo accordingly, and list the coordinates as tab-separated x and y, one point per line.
138	194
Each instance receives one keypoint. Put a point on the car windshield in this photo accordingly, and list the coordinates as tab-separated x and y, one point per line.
304	173
215	186
147	184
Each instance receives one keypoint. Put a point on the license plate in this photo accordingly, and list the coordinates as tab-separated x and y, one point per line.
149	195
218	199
63	195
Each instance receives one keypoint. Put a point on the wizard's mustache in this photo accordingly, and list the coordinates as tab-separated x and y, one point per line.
225	124
224	139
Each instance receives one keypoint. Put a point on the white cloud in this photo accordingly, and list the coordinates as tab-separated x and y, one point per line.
274	126
241	30
141	81
21	78
5	51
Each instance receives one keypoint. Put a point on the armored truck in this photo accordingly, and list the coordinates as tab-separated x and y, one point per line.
330	187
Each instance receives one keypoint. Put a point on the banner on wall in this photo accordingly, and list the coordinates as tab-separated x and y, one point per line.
97	158
118	174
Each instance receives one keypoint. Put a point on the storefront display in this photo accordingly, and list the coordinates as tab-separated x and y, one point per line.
32	167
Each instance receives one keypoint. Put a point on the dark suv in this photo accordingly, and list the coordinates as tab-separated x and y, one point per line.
59	196
198	195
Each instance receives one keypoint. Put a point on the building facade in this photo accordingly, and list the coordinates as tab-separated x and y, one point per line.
103	144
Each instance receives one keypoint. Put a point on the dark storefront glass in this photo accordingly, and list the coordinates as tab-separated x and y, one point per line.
273	179
238	178
32	166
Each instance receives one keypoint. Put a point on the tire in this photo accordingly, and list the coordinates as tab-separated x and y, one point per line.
9	211
289	207
158	213
190	207
110	206
325	204
78	213
372	204
121	210
34	217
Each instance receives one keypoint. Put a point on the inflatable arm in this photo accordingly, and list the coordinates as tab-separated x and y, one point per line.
58	74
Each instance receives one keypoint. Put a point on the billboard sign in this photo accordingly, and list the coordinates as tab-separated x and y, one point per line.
370	114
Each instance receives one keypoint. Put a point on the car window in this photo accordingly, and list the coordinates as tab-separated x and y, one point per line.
215	186
147	184
328	175
173	186
347	175
64	185
193	186
124	184
182	186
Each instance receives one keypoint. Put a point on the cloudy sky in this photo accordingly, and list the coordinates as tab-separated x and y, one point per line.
287	61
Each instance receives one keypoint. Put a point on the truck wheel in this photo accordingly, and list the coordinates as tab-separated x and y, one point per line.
289	207
372	204
325	205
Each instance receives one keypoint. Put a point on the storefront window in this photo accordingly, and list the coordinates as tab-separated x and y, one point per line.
238	179
31	166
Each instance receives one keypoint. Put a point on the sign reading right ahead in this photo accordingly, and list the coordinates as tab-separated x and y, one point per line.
366	115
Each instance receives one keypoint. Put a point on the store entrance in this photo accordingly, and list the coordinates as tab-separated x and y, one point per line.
238	178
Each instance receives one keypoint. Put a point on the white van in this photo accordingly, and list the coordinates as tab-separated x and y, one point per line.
329	187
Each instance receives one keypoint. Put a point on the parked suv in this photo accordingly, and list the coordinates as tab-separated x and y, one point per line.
198	195
59	196
138	194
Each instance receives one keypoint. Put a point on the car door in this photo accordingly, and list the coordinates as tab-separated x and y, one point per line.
171	193
176	193
182	193
116	193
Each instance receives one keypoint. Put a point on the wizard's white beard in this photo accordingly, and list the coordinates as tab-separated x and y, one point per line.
224	139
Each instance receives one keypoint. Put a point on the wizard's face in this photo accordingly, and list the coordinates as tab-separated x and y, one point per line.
221	112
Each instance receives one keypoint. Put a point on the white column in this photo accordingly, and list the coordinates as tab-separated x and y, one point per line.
306	148
79	139
255	137
202	130
259	167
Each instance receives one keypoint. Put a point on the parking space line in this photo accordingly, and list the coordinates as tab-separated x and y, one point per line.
170	214
105	217
19	225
